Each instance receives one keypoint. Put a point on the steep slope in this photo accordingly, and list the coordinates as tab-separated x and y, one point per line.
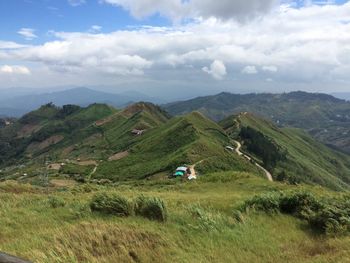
323	116
183	140
40	131
290	154
75	136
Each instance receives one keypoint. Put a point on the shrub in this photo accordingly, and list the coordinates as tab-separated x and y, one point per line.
111	203
300	204
331	220
326	216
269	203
56	202
152	208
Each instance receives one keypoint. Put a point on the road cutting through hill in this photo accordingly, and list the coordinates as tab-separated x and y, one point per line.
238	151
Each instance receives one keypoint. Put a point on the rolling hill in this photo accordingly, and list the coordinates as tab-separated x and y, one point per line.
102	136
324	117
143	141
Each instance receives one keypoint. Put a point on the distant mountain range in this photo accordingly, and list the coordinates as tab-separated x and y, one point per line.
323	116
342	95
16	106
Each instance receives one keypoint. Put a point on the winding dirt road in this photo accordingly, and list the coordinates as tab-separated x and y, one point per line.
238	151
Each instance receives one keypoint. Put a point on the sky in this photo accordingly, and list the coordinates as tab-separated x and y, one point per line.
176	46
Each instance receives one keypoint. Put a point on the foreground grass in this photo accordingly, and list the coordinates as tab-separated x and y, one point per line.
200	227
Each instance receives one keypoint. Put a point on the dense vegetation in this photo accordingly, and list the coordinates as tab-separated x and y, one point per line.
262	146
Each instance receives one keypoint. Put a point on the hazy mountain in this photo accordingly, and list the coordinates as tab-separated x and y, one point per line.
18	105
342	95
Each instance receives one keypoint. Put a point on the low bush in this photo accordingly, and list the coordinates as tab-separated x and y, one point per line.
152	208
56	202
329	217
300	204
269	203
333	218
111	203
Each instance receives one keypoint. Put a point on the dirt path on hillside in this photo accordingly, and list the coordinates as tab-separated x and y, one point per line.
193	168
92	172
238	151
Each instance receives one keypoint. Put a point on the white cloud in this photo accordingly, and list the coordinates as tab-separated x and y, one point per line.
179	9
6	69
217	70
272	69
299	45
249	70
228	9
76	2
10	45
27	33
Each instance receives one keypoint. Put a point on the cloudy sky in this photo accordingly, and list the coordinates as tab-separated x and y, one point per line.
174	46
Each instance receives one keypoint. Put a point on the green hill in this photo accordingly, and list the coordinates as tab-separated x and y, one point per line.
42	130
188	139
323	116
289	153
142	141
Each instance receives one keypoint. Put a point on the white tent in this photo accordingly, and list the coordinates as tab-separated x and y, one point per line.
181	169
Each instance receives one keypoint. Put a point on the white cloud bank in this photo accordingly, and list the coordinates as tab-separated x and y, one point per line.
179	9
309	44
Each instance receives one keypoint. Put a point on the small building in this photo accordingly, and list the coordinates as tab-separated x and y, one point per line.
182	171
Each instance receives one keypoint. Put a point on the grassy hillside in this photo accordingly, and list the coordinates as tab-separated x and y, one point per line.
98	142
189	139
323	116
57	225
304	159
40	131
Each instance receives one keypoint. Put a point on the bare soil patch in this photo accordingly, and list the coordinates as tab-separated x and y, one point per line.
118	156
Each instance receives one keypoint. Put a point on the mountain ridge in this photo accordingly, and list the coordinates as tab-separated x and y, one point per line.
326	118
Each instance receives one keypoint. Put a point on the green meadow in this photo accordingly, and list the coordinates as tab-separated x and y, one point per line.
56	224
